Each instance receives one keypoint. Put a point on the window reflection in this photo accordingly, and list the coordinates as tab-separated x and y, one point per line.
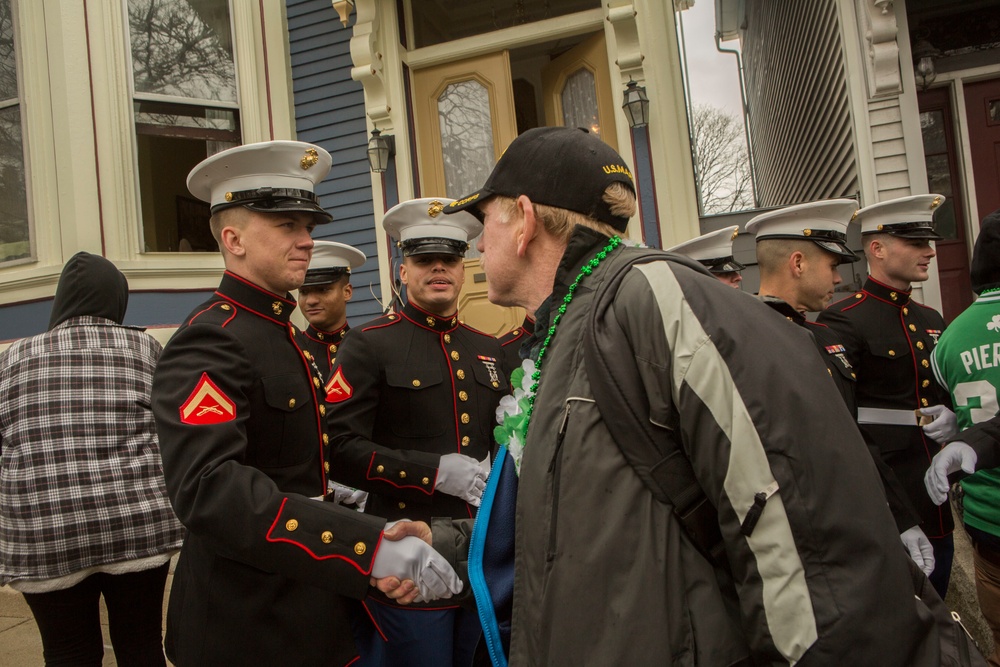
579	101
466	136
184	79
182	49
15	229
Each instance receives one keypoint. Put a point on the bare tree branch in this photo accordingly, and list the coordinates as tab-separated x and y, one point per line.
721	160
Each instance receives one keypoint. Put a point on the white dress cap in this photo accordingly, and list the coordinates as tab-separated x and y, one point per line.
420	227
271	176
823	222
714	250
331	261
906	217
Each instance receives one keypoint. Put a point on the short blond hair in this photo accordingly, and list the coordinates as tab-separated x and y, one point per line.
559	222
234	216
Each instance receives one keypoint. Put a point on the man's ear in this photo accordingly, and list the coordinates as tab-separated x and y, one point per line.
232	240
348	292
402	272
796	263
528	224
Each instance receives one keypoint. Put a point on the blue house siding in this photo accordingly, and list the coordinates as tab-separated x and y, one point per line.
330	112
145	309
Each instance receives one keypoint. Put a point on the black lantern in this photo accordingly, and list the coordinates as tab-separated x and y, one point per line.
636	105
380	149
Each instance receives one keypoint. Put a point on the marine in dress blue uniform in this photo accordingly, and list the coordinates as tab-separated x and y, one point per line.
888	339
268	574
414	393
323	300
800	277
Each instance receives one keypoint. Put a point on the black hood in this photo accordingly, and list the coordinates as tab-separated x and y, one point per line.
89	285
985	270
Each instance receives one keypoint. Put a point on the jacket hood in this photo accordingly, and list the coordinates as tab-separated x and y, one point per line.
985	269
89	285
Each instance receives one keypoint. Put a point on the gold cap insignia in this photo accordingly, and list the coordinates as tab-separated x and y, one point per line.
855	216
736	233
435	208
935	203
276	307
229	196
880	227
807	232
309	159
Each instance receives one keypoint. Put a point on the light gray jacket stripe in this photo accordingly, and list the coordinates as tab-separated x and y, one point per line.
698	363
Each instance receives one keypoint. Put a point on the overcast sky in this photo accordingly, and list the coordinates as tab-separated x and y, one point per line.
713	75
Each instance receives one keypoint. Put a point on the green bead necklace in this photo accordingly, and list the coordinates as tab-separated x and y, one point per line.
587	269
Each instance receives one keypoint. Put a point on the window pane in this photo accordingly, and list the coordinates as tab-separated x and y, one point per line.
932	127
466	136
171	139
579	101
182	48
8	61
15	239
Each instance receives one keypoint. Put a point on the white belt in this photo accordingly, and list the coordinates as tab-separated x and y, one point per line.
887	416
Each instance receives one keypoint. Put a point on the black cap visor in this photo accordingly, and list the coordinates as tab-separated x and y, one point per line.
909	230
324	276
434	246
837	248
722	265
280	200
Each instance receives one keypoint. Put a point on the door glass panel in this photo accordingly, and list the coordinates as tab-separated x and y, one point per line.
932	126
466	137
579	101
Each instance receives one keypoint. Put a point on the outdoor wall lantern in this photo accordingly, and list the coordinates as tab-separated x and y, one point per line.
636	105
380	149
924	54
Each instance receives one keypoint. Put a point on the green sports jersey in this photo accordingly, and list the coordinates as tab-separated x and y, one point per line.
967	362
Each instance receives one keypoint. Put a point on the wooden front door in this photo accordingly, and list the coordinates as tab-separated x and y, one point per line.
464	116
982	105
938	129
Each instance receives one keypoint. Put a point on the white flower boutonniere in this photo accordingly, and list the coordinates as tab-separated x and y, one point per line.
512	413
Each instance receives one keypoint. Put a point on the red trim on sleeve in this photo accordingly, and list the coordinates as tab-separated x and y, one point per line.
310	551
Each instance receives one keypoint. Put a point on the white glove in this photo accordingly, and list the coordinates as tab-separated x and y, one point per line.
412	558
954	457
944	425
463	476
920	549
346	495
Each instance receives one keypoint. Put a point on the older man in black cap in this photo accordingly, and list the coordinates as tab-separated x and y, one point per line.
414	395
266	567
656	435
888	339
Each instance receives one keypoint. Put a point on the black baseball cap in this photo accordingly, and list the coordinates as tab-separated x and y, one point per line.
563	167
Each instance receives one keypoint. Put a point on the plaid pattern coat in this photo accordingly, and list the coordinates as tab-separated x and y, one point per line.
81	482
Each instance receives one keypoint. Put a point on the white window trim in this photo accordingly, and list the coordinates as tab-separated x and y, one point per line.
79	138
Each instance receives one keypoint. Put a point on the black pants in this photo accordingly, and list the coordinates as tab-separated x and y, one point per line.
70	622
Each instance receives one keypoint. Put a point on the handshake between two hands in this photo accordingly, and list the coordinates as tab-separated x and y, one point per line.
408	569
